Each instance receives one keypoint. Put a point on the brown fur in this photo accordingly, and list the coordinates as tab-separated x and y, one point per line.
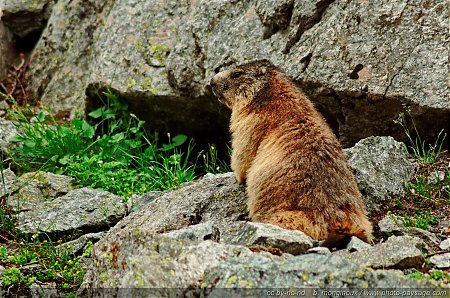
296	173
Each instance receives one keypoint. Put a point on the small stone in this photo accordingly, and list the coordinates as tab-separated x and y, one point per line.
254	233
390	225
436	177
445	245
357	244
441	261
319	250
200	232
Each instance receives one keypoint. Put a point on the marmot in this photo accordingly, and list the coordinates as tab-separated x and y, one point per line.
295	171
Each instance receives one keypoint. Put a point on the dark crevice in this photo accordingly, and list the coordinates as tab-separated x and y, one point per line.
279	20
307	22
306	60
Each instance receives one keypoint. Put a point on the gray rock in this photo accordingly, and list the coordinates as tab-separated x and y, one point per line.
200	232
400	252
33	188
78	212
445	245
140	259
441	261
77	246
23	17
6	46
357	244
49	290
7	179
387	55
266	236
381	167
311	270
139	203
211	199
395	224
7	132
390	225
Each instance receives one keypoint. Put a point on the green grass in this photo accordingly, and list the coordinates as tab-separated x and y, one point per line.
425	154
115	154
55	265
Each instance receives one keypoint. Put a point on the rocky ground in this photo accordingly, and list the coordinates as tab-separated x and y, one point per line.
198	238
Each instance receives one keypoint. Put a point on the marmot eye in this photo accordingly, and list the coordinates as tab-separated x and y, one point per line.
236	74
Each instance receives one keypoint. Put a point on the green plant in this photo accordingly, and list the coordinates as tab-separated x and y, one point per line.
57	264
419	220
87	249
424	154
212	163
11	276
115	154
439	275
416	275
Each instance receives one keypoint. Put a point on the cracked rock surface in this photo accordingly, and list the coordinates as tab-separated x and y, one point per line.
362	62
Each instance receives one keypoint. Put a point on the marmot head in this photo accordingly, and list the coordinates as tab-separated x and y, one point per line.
243	83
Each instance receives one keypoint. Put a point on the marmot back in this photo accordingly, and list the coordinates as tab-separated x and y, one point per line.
296	173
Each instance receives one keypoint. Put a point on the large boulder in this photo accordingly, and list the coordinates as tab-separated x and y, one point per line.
382	167
363	62
51	205
23	17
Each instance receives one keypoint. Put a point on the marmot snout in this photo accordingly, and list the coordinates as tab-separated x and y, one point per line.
295	171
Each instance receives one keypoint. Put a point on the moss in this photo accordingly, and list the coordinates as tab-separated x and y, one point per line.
139	280
231	281
159	52
359	274
146	83
154	91
103	277
131	83
140	46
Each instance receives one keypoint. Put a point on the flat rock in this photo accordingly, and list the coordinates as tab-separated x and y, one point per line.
311	270
395	224
33	188
155	265
78	212
381	166
441	261
400	252
139	203
200	232
211	199
267	236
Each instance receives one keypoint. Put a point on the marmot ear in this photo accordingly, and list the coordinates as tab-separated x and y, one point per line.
262	71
